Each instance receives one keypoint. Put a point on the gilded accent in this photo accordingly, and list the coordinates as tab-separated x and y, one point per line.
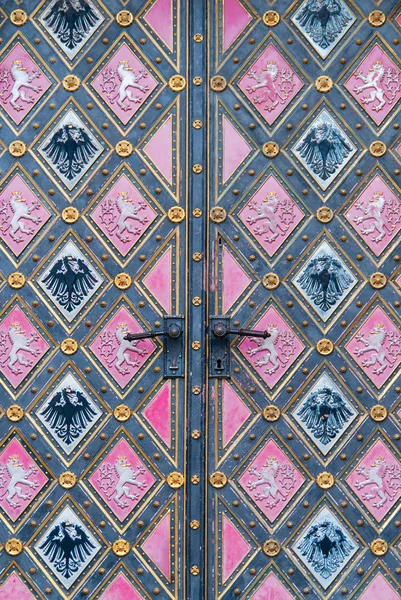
271	149
218	480
177	83
70	214
271	413
175	480
195	434
325	480
197	169
379	547
196	345
377	148
69	346
271	281
194	524
378	413
124	18
196	301
377	18
123	281
18	17
218	83
17	148
324	214
378	280
324	84
271	18
71	83
218	214
176	214
16	280
124	148
195	570
15	413
324	347
122	413
13	547
271	548
67	480
121	547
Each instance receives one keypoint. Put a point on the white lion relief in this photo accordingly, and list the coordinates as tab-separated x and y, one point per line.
120	81
276	214
20	79
284	341
17	475
118	214
383	215
384	480
382	83
277	481
383	346
120	353
20	344
276	85
126	476
20	212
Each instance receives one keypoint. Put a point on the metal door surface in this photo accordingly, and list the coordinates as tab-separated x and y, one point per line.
304	422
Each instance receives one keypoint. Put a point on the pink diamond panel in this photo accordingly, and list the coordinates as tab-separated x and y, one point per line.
235	280
122	480
22	215
273	356
376	215
21	480
376	480
123	215
235	19
157	546
235	149
235	413
270	84
13	588
160	149
376	84
160	19
376	347
271	589
158	280
21	347
271	480
120	589
124	83
22	83
379	588
271	215
158	413
235	548
122	359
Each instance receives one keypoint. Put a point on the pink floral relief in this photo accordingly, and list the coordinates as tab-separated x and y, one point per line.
379	589
13	588
21	346
120	589
271	589
121	358
122	480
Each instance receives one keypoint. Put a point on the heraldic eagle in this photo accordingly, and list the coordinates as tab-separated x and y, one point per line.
324	149
69	281
68	414
71	21
324	414
67	546
325	548
70	149
323	21
324	280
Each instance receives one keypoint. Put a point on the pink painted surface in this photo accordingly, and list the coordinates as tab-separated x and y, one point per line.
235	280
13	588
160	149
379	589
271	480
235	548
382	360
23	217
272	357
375	84
158	413
124	83
157	546
123	215
271	589
235	19
23	346
160	18
27	475
120	589
399	150
270	84
235	149
158	281
377	468
122	480
235	413
16	66
376	215
122	359
271	215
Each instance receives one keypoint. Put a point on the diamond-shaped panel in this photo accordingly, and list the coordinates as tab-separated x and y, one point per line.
379	588
120	587
271	589
13	587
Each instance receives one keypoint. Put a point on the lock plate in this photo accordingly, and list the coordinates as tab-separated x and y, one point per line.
219	349
173	347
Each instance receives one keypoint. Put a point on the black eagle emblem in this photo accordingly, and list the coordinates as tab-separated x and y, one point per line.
69	281
323	21
325	547
71	21
324	149
70	149
324	414
324	281
67	547
68	414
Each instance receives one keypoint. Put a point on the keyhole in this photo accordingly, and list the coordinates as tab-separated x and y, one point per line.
219	366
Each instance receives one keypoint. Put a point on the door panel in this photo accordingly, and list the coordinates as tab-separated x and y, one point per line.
93	425
302	420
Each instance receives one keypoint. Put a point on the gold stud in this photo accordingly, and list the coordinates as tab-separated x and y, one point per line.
271	413
15	413
177	83
197	80
124	18
122	281
324	214
377	148
324	84
271	18
13	547
218	83
271	281
196	345
196	300
325	480
70	214
16	280
122	413
378	280
218	480
71	83
197	124
195	570
69	346
17	148
197	212
378	413
198	37
218	214
194	524
195	479
176	214
124	148
121	547
175	480
18	17
271	149
324	347
377	18
197	169
67	480
196	434
379	547
271	547
196	389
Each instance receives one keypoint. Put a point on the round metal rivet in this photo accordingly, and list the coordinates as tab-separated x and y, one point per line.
122	413
18	17
325	480
271	281
175	480
69	346
17	148
15	413
124	148
377	148
124	18
16	280
378	280
378	413
218	480
13	547
270	149
123	281
70	214
67	480
271	413
379	547
198	37
271	547
376	18
324	347
271	18
324	214
121	547
71	83
218	214
177	83
176	214
218	83
324	84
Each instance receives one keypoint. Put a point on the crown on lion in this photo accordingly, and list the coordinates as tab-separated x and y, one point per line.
17	62
123	62
124	196
16	324
122	325
270	195
13	457
378	62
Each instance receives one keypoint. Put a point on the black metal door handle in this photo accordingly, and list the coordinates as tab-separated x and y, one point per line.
220	329
173	331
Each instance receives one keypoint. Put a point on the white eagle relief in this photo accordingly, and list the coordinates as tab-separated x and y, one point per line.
276	216
275	479
20	344
16	227
119	477
18	477
117	216
119	85
120	352
384	346
382	85
380	214
19	79
275	357
276	85
383	481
